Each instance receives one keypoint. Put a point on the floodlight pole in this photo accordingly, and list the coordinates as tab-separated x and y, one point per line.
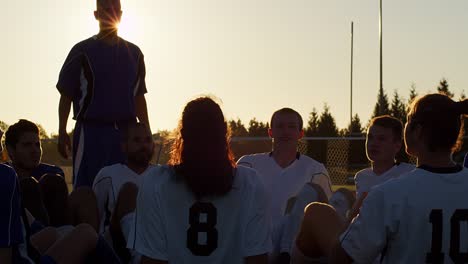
351	79
381	46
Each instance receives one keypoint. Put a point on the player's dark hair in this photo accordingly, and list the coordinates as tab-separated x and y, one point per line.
350	197
287	110
441	120
201	153
390	122
16	130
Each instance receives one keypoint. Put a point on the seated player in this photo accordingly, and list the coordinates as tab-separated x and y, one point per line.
285	171
12	242
422	216
44	200
202	208
383	142
137	145
23	239
24	149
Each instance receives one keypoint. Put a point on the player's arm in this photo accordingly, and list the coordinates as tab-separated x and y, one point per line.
259	259
64	143
366	236
356	206
141	109
101	187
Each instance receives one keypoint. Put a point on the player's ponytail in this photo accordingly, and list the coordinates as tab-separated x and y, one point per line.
441	120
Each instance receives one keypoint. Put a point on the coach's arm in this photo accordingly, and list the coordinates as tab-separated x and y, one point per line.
141	109
64	143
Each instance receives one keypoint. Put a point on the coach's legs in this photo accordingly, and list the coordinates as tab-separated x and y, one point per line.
319	230
31	197
83	207
94	147
124	208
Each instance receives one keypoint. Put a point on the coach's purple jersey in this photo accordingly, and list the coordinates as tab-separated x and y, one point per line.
102	80
11	228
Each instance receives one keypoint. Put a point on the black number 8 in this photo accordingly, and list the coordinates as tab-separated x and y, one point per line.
197	227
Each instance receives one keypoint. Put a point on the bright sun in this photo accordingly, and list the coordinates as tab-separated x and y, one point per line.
128	26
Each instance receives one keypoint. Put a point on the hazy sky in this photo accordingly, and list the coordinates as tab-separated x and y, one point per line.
255	55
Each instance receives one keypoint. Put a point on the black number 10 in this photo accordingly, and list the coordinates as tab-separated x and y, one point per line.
436	255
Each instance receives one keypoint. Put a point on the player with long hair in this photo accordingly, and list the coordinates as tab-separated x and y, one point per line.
202	208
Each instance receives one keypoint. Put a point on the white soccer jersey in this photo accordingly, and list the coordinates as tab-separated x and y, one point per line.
284	184
107	186
421	217
170	224
366	178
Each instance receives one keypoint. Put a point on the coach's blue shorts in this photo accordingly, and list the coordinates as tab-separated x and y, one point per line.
95	146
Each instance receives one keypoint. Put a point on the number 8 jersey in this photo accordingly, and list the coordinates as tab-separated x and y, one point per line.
421	217
171	225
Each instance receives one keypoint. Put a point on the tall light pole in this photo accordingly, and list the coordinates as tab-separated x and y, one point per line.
351	79
381	65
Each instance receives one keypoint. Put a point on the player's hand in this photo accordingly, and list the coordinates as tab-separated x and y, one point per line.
64	144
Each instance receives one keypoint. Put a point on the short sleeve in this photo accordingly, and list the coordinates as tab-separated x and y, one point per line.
69	78
101	187
306	196
257	232
245	161
367	235
322	179
148	236
10	219
140	88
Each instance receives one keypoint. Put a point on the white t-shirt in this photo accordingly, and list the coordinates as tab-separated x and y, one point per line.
284	184
366	178
170	224
407	217
107	186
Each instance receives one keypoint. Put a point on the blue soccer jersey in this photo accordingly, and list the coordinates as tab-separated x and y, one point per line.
102	80
11	226
43	168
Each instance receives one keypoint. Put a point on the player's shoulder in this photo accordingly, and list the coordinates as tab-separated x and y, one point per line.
310	161
158	177
44	168
248	181
406	167
8	178
109	170
251	159
366	172
7	173
82	45
131	46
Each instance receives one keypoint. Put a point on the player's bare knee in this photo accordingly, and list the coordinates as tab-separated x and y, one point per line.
82	195
86	232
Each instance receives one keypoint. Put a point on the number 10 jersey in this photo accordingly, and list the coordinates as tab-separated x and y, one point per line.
421	217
